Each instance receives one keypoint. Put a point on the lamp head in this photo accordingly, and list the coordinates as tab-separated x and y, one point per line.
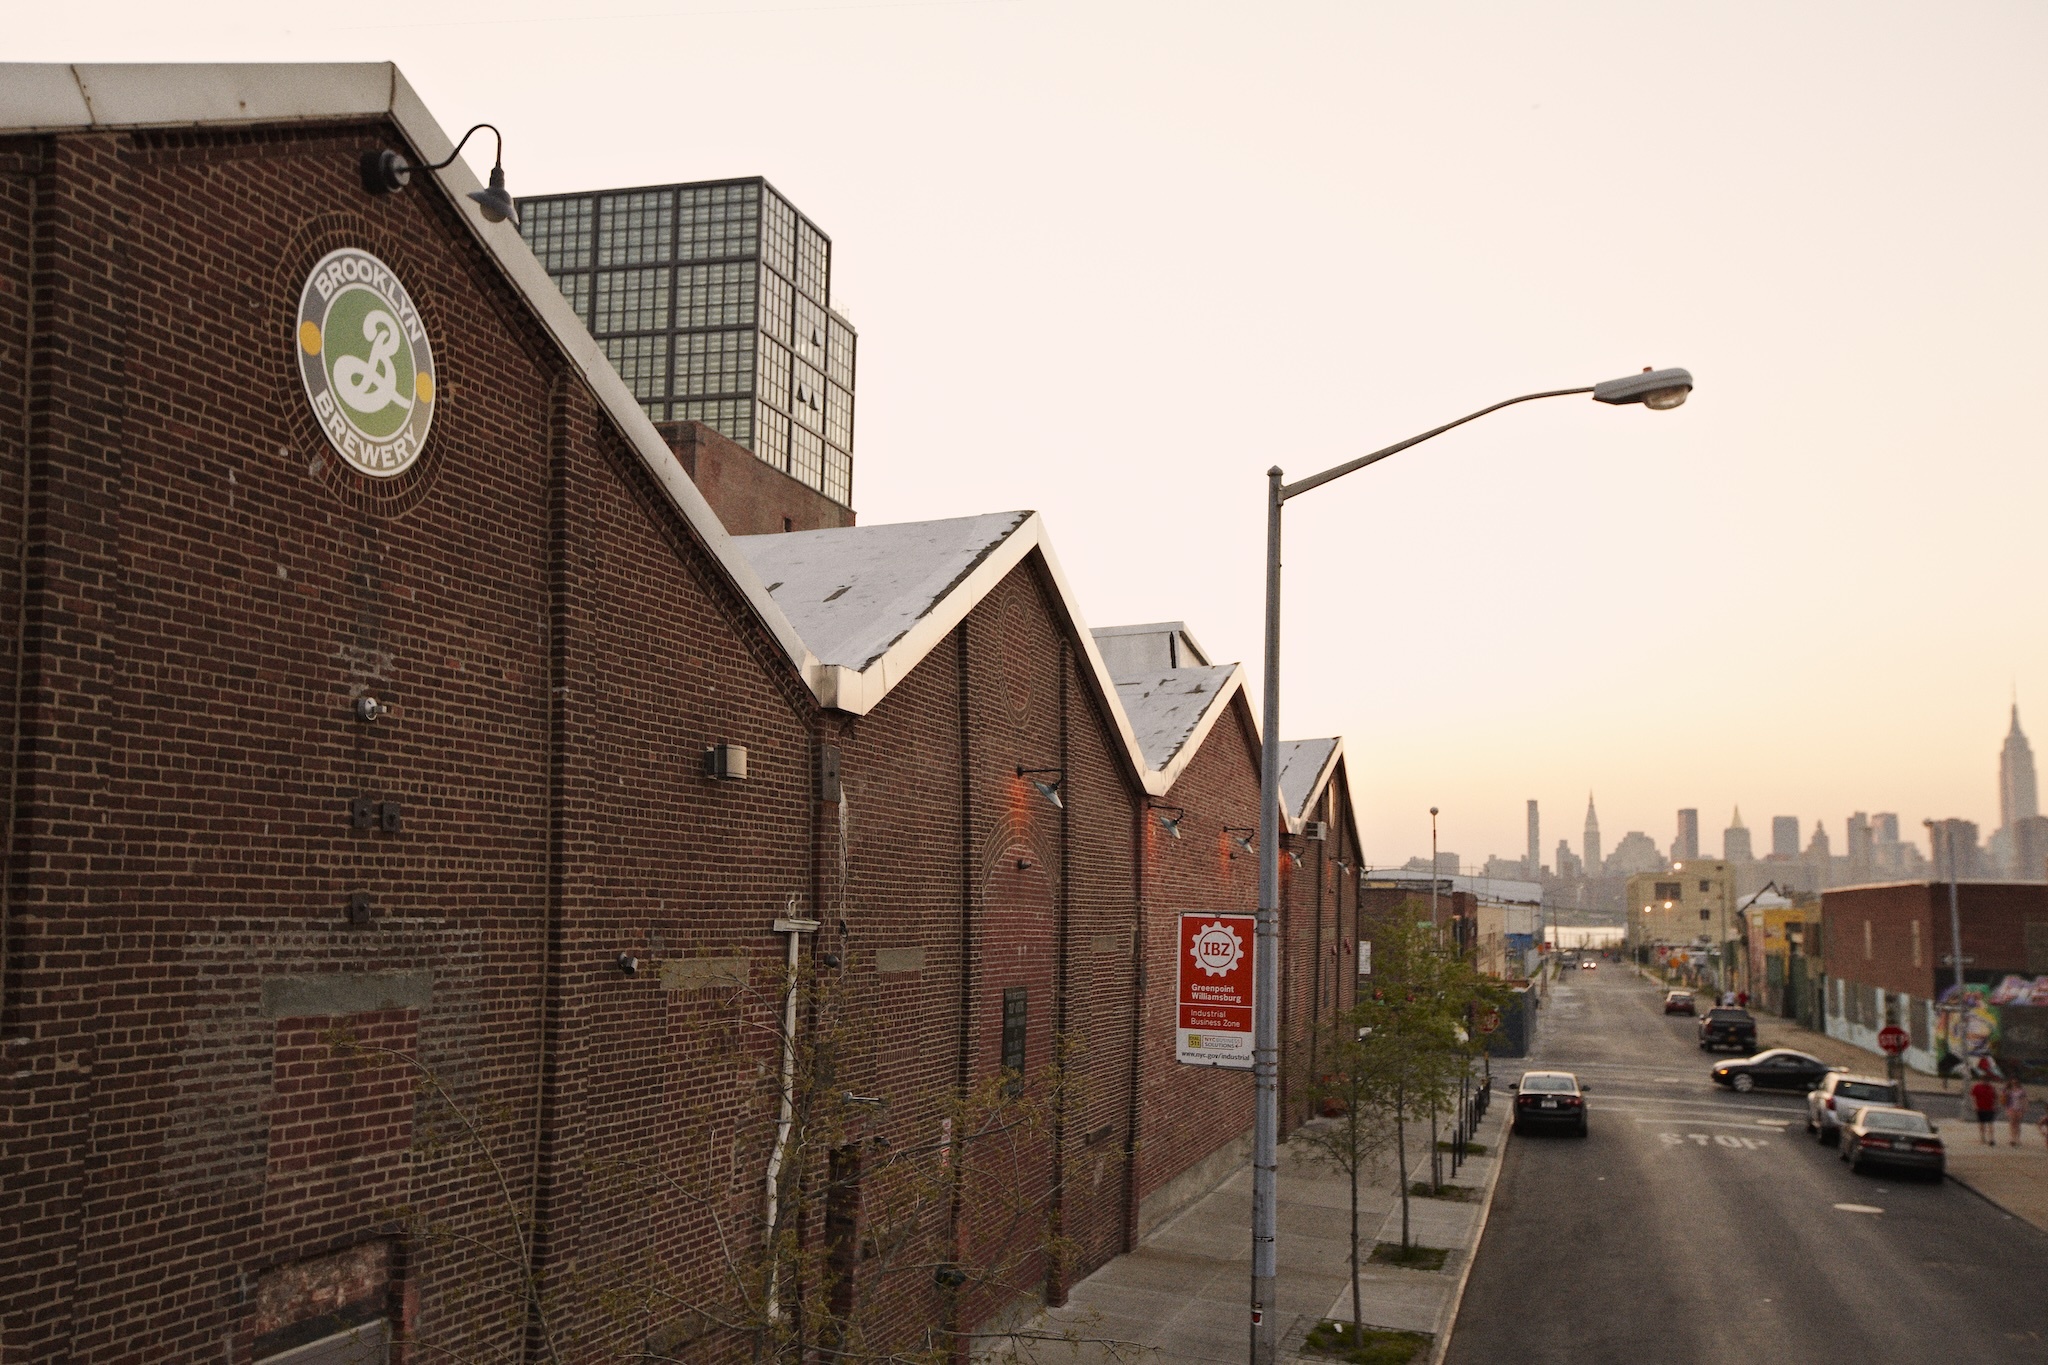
494	203
1658	389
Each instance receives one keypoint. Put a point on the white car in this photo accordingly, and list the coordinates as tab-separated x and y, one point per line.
1833	1104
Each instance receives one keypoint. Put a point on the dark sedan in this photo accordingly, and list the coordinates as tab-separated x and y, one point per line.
1550	1099
1880	1135
1678	1002
1779	1068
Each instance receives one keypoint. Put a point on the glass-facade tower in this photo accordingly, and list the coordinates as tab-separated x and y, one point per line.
714	302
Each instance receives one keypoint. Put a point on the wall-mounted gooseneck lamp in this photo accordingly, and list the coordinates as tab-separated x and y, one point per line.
386	172
1169	818
1241	837
1049	790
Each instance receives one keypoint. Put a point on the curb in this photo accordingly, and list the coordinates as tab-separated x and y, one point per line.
1449	1321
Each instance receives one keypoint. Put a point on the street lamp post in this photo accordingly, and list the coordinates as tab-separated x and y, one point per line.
1658	389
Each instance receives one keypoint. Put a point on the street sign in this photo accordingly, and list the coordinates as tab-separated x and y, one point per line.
1489	1021
1893	1040
1213	1006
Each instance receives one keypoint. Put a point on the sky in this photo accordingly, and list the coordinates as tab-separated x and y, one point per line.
1111	260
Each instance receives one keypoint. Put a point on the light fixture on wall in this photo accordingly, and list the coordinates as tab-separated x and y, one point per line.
1170	822
1049	790
1241	837
386	172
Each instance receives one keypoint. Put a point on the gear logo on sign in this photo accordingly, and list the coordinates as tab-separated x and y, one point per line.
1217	949
365	359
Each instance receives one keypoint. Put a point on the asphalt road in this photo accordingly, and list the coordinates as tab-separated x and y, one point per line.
1695	1224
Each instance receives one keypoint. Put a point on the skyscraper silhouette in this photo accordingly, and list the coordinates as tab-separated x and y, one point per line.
2018	797
1735	846
1592	839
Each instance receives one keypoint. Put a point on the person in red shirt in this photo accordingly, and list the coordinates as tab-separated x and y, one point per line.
1984	1099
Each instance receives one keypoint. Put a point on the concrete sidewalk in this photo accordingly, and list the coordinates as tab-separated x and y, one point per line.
1182	1295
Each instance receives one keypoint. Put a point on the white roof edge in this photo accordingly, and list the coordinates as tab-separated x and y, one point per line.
1198	734
50	97
1289	819
861	690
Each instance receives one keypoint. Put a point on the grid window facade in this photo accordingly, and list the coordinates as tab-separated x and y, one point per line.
719	221
732	418
716	295
636	228
838	476
813	262
713	302
631	301
771	436
807	397
809	339
839	352
642	362
778	236
778	307
774	375
839	417
807	457
558	232
576	289
713	363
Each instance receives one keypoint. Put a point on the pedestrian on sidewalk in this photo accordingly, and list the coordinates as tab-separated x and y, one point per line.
2015	1098
1984	1099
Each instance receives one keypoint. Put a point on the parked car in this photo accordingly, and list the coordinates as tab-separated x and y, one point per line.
1589	965
1550	1099
1778	1069
1882	1135
1678	1002
1726	1026
1836	1100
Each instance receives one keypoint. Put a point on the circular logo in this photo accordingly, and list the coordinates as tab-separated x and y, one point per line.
1216	949
368	367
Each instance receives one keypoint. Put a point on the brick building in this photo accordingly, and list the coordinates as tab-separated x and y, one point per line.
1887	951
402	816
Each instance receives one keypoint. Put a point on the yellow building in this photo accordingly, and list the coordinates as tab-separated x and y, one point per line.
1692	904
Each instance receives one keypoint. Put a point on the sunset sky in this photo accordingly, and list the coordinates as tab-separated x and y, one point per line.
1111	260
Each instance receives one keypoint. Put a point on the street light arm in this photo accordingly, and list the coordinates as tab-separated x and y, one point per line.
1300	486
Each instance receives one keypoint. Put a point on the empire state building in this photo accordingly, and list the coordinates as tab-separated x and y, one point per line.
2018	797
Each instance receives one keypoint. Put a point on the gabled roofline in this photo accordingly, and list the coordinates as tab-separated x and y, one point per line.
47	98
58	97
1293	820
860	690
1233	688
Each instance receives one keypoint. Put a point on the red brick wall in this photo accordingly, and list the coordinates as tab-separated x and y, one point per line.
1186	1112
751	497
209	591
1994	917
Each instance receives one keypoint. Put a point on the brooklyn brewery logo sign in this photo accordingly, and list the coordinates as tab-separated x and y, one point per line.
368	368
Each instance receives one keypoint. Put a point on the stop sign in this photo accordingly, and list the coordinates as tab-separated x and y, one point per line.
1892	1039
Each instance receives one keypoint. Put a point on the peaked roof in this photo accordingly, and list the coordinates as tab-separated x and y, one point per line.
856	608
852	592
1173	709
1305	769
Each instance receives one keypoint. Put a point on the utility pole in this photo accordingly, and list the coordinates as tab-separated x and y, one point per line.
1435	871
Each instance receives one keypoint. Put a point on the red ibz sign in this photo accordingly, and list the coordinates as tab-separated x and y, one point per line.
1213	1005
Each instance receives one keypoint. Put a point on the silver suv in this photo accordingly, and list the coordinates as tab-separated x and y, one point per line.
1833	1103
